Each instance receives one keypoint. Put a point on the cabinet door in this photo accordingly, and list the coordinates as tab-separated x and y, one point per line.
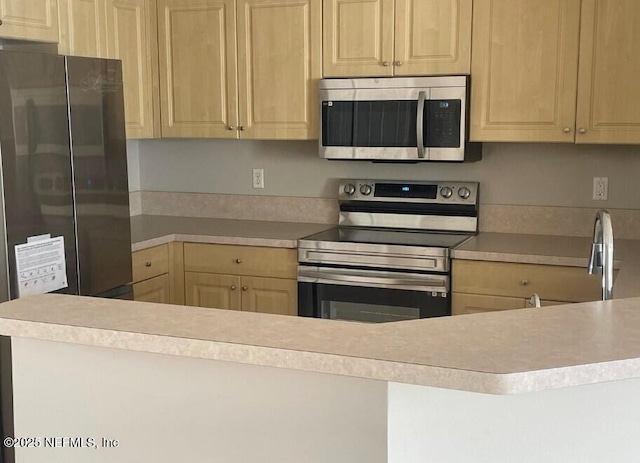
524	66
357	38
279	64
130	39
29	19
83	26
153	290
270	295
608	93
198	70
212	290
464	304
433	37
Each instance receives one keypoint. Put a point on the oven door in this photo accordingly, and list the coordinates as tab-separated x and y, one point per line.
371	296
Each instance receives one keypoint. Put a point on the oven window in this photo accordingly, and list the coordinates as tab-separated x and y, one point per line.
369	304
367	313
384	123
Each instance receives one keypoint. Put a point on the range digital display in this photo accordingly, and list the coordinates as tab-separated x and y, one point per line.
405	190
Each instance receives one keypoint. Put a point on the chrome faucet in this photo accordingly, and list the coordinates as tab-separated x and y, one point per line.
601	260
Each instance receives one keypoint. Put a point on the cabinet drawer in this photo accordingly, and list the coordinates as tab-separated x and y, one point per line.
240	260
462	304
550	282
151	262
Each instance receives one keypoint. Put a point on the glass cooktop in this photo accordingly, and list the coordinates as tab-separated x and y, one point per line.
393	237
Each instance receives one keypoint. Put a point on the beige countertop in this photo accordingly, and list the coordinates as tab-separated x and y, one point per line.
499	353
527	249
150	230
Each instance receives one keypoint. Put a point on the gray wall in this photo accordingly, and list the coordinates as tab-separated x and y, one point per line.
133	164
519	174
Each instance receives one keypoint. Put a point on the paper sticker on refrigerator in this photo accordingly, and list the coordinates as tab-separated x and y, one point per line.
41	266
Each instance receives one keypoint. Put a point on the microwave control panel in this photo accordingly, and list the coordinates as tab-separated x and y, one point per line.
442	123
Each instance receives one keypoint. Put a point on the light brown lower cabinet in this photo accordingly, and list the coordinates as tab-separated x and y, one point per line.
270	295
247	293
479	286
212	290
463	304
153	290
158	274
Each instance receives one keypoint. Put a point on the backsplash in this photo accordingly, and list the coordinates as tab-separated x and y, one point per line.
539	220
276	208
553	182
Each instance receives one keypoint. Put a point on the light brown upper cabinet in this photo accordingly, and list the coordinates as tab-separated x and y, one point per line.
608	91
83	27
198	70
396	37
524	68
131	37
124	30
528	86
29	20
245	69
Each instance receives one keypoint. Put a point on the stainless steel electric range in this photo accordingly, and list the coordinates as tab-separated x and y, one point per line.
389	258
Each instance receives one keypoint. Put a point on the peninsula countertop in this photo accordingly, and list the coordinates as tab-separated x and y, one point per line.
499	353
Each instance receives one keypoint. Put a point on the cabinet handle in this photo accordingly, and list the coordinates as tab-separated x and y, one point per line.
147	264
566	130
386	64
244	288
524	282
238	261
241	128
582	131
398	63
233	287
231	127
0	22
534	301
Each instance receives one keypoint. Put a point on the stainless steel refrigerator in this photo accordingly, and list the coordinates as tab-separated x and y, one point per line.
64	169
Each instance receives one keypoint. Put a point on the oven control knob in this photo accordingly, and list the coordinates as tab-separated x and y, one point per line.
365	190
464	192
349	189
446	192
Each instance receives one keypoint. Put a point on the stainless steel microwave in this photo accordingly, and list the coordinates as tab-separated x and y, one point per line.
396	119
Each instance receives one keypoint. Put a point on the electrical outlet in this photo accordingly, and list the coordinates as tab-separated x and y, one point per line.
258	178
600	188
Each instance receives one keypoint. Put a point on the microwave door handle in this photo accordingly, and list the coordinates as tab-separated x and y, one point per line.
422	96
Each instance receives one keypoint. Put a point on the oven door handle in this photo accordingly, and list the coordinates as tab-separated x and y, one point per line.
363	279
422	96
